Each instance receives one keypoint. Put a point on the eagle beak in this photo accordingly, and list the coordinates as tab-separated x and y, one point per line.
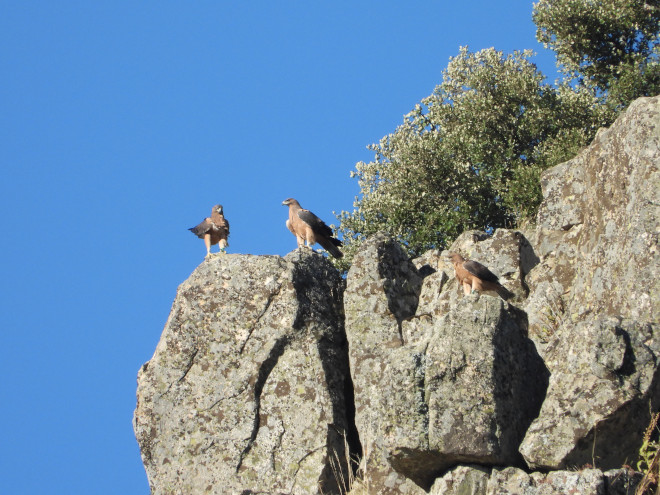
284	203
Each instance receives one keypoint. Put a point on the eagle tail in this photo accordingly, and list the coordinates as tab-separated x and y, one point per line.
503	292
330	245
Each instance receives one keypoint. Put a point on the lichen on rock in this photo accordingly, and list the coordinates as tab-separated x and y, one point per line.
269	368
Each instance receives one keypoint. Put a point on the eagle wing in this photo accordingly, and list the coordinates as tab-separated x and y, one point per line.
317	225
322	232
202	229
480	271
218	227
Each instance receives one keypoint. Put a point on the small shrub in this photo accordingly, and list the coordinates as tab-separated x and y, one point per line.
649	461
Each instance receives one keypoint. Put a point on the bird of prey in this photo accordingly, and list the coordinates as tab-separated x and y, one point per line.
472	275
214	230
309	228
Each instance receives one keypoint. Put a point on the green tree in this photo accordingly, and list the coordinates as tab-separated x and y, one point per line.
610	46
470	155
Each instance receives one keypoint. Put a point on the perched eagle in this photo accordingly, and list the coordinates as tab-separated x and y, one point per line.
309	228
475	276
214	230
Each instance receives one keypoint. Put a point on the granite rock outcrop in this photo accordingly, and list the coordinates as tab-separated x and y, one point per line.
249	386
276	375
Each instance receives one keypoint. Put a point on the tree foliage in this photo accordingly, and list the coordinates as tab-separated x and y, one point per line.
611	46
470	155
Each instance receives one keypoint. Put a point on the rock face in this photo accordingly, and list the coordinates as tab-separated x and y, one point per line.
272	371
475	480
597	228
595	296
248	388
434	390
379	297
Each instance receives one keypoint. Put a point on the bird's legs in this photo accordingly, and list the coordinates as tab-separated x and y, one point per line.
207	243
467	288
309	245
223	245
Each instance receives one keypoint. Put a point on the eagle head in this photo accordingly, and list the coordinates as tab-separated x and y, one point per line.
218	208
456	258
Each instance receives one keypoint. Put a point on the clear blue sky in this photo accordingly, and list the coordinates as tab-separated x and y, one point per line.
122	123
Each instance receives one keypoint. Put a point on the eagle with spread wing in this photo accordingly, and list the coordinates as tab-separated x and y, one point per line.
214	230
474	276
310	229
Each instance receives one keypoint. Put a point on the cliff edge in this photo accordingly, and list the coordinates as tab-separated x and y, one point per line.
271	373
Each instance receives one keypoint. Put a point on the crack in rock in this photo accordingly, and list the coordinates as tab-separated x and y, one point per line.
300	461
222	399
277	446
269	302
264	371
190	364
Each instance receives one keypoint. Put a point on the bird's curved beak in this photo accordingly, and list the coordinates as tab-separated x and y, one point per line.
285	203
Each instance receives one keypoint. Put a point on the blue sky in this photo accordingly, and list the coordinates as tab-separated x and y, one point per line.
122	123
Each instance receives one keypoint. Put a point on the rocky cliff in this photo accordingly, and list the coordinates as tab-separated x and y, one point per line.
272	372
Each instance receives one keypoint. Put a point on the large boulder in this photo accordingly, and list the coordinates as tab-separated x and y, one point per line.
382	291
485	383
605	380
437	388
248	389
477	480
595	296
597	233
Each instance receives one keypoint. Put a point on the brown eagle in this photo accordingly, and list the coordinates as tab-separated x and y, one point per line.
214	230
474	276
310	229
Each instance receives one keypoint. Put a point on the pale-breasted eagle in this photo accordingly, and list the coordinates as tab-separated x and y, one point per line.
310	229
